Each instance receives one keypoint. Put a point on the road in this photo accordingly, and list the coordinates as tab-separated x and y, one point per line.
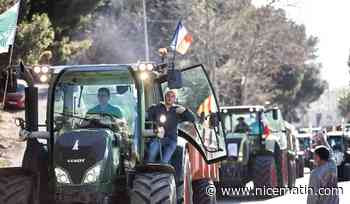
290	198
11	148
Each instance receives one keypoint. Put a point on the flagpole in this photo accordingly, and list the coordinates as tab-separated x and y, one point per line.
9	72
14	37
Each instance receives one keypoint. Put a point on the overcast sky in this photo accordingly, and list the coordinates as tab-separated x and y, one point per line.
330	22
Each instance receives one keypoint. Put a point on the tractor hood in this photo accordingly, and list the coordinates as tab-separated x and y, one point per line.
78	151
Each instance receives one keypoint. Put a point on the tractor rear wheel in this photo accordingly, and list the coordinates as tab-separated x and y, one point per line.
18	186
204	191
154	188
265	172
345	171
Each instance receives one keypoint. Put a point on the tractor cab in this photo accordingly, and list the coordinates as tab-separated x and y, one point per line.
97	128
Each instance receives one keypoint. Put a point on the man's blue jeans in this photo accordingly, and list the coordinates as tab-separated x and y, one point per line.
168	148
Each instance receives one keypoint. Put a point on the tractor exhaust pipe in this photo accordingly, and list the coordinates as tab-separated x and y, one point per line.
31	108
30	101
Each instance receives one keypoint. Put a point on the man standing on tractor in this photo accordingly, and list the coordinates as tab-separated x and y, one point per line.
167	116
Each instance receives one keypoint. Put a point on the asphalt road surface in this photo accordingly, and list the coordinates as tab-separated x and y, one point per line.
289	198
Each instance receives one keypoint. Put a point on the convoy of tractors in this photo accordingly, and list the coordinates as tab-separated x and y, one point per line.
96	158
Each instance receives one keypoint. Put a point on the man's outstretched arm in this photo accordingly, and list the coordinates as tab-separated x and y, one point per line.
185	114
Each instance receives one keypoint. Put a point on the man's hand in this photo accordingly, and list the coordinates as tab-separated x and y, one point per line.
161	132
180	109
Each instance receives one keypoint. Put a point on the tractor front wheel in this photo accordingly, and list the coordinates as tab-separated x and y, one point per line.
157	188
18	186
204	191
265	172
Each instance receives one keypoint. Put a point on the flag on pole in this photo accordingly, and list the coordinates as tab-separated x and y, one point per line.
182	39
8	24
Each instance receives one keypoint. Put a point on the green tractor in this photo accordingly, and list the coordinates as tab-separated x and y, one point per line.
259	152
83	157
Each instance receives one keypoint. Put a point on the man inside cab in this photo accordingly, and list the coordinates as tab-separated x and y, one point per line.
242	126
103	96
104	107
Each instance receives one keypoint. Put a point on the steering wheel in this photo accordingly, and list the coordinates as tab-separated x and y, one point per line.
102	120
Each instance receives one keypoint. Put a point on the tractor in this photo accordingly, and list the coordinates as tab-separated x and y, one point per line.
258	154
81	157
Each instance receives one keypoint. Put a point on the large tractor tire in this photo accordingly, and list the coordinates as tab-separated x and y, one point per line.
18	186
265	172
345	171
292	171
153	188
300	167
204	191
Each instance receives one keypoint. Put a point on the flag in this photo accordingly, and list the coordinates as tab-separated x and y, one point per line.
182	39
8	24
206	107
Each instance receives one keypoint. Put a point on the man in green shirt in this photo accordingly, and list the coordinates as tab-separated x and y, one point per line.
116	123
103	95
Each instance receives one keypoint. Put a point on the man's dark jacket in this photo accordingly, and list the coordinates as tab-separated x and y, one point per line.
172	119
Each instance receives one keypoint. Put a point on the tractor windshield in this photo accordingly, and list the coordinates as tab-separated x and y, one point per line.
238	124
104	97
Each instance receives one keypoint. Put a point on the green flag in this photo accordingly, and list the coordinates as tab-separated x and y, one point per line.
8	24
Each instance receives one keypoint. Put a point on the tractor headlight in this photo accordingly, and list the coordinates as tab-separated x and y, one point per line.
92	174
37	69
142	67
43	78
143	76
62	176
149	67
44	69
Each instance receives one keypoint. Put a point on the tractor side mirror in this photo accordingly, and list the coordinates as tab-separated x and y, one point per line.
174	79
275	114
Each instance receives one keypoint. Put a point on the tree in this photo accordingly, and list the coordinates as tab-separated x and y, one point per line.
344	104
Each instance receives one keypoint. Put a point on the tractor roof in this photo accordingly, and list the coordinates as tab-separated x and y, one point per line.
91	67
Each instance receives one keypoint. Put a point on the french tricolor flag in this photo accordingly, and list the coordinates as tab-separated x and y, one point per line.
182	39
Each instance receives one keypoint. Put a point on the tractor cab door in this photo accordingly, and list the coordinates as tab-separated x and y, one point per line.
197	95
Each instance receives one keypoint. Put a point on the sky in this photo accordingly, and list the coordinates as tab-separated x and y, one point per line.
330	22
